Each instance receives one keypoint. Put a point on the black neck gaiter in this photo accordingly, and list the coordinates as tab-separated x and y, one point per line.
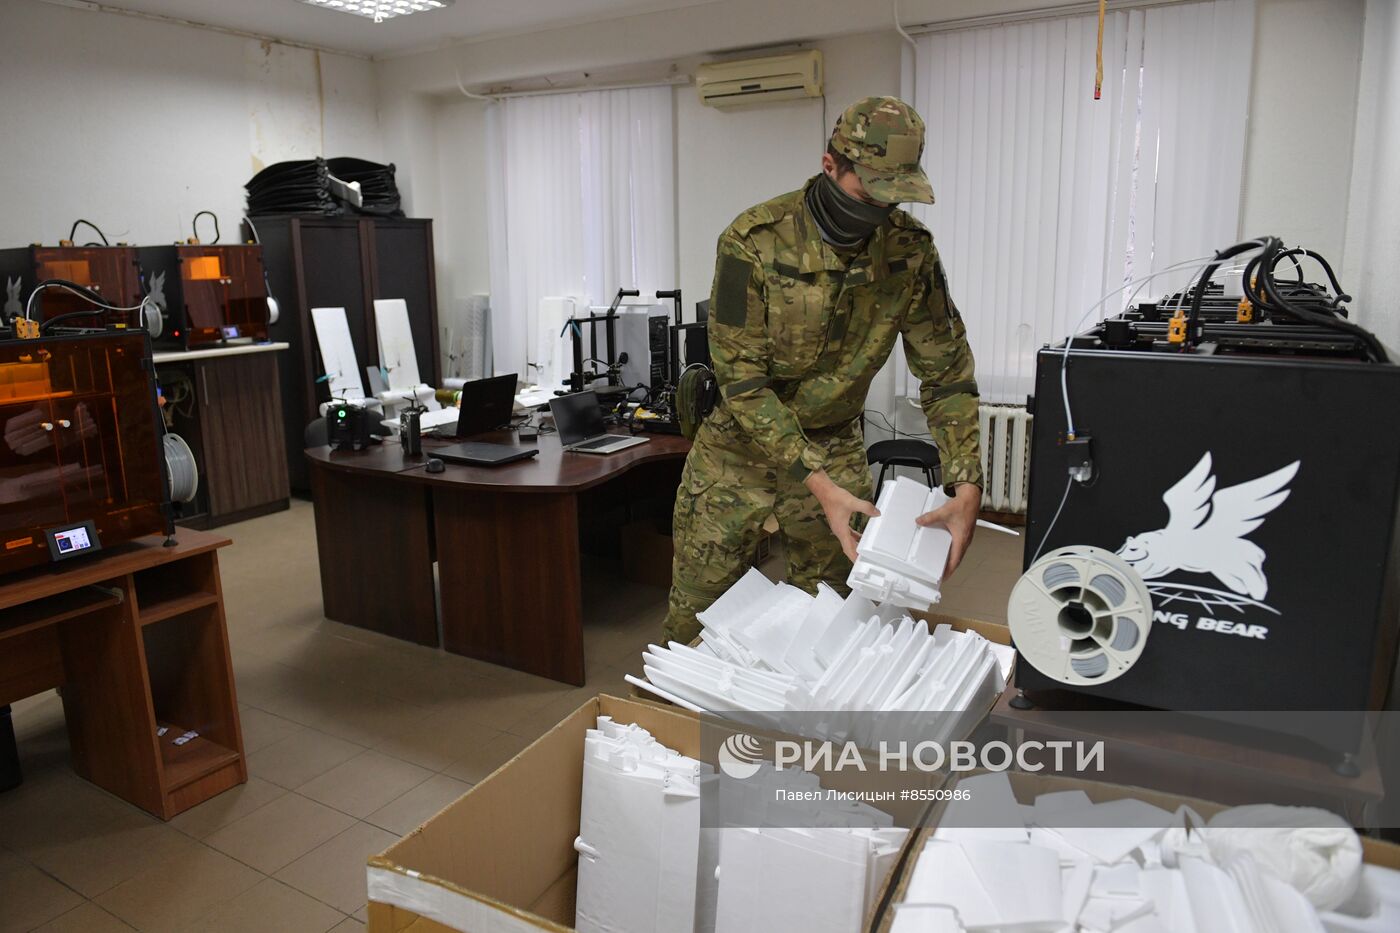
845	222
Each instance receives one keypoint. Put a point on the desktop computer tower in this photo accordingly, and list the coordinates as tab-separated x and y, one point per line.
643	333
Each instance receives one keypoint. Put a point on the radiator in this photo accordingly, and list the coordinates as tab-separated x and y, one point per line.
1006	438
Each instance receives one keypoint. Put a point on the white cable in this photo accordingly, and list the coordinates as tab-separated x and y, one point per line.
1069	484
1202	262
29	305
466	93
900	29
1069	340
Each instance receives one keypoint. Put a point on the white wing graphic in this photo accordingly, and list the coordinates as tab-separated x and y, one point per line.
1205	530
1238	510
1188	501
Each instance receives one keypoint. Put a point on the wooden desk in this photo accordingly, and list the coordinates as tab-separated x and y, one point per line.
135	636
1194	757
506	541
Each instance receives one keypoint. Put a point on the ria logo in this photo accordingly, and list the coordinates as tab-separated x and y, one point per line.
740	756
1205	534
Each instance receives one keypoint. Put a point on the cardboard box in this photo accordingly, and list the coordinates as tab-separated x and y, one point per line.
1027	787
501	858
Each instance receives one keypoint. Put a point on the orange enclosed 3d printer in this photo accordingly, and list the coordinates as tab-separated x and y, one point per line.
81	462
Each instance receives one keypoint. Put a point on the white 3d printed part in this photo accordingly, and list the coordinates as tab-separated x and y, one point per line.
1080	615
898	561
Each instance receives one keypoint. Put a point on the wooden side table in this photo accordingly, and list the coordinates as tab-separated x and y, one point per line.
136	638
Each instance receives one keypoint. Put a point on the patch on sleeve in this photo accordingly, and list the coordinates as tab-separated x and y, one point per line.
732	291
942	278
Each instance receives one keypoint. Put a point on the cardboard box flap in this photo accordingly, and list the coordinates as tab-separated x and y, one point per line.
501	840
500	859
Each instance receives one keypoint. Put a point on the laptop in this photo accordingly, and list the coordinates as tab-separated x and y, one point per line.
486	404
579	421
476	453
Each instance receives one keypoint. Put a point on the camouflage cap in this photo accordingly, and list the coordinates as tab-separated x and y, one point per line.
884	138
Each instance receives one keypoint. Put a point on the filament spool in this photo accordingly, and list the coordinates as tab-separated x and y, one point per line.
1080	615
151	318
181	469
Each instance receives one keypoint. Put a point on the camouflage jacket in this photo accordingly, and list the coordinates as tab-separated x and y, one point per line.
797	333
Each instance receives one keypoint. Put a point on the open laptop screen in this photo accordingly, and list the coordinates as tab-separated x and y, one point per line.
577	417
486	404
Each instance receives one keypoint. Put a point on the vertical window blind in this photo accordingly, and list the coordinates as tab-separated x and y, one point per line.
1046	198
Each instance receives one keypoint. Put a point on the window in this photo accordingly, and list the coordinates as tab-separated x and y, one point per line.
582	204
1046	198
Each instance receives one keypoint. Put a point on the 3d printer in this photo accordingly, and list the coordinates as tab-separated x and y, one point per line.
81	462
207	294
587	371
108	271
1239	458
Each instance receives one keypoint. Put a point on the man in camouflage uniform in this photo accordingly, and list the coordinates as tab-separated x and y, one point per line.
811	290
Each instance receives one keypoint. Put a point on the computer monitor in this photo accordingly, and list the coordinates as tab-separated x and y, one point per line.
486	404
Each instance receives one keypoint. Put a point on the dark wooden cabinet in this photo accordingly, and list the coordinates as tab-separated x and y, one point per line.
228	408
343	262
241	408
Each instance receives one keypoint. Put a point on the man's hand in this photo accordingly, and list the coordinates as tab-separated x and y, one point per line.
959	516
839	505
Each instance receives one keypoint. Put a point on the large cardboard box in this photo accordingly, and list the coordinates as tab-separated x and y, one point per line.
501	858
1029	786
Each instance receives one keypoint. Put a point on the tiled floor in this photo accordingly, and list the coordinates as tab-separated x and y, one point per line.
353	739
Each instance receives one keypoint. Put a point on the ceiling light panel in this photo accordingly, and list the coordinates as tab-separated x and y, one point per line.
380	10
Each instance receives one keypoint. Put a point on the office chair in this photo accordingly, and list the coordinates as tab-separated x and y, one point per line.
905	452
316	434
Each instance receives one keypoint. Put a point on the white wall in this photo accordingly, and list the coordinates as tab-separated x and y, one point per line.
136	124
1371	270
460	228
726	161
729	160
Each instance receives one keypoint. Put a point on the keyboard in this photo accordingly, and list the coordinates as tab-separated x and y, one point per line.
597	442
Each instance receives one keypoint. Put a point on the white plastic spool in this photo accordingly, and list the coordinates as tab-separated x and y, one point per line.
1080	615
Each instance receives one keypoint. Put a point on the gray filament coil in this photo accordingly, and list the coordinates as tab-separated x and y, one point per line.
180	467
151	318
1080	615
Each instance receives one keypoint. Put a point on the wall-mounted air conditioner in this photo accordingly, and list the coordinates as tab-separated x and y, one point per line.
759	80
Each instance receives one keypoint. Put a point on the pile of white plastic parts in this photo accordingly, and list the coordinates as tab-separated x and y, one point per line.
646	862
769	648
1065	864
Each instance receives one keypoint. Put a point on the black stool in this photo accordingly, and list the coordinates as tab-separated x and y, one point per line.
905	452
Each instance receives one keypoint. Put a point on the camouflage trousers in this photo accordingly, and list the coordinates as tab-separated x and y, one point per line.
727	491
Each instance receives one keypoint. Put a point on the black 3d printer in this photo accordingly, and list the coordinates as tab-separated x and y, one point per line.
1240	456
